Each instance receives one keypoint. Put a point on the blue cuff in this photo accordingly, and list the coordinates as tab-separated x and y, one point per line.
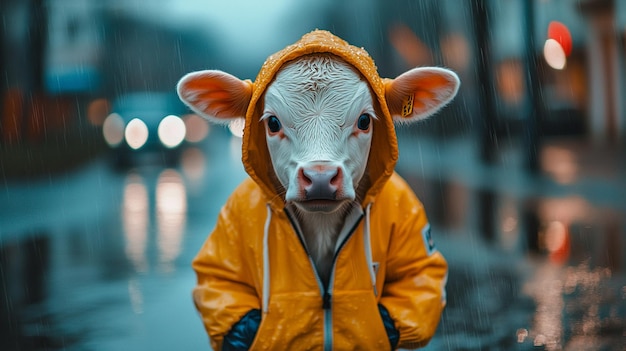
390	327
241	335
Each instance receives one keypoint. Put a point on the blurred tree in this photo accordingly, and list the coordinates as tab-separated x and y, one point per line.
534	99
3	69
33	123
487	129
38	35
487	126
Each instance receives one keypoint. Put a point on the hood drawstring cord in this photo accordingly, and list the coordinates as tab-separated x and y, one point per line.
368	248
266	261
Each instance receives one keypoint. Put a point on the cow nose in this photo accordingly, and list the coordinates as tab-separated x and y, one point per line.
320	182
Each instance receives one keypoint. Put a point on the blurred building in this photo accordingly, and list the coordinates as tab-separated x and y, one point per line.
75	44
606	21
585	97
94	48
582	99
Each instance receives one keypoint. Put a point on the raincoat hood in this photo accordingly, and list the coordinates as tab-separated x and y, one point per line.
384	149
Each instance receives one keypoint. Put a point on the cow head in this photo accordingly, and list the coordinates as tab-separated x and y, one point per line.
318	115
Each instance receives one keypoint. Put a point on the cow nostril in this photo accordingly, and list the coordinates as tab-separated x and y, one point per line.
304	180
337	178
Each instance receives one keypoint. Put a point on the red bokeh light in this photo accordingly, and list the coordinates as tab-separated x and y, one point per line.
559	32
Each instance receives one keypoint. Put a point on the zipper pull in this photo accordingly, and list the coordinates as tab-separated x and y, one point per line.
326	300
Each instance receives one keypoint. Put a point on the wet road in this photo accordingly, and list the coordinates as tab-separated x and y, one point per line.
98	259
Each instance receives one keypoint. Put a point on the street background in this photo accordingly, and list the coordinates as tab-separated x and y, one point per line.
523	176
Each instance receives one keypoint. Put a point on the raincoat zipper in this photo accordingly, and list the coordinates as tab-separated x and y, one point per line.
325	291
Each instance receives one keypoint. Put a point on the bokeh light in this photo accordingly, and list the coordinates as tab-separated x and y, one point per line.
136	133
171	131
554	54
97	111
197	128
113	129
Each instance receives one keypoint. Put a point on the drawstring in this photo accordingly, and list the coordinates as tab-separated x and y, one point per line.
368	248
266	261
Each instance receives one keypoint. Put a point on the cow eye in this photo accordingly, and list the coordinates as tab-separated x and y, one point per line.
273	124
364	121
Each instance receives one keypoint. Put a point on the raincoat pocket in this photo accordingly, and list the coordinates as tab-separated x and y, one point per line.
242	334
357	324
293	322
256	342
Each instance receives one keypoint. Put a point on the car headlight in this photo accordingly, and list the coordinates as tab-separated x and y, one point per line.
113	129
171	131
136	133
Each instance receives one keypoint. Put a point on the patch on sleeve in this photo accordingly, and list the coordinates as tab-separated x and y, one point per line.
428	240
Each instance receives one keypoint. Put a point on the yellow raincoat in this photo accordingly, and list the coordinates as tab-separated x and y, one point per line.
255	257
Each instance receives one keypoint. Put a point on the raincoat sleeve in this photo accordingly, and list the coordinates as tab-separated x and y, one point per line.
416	273
225	289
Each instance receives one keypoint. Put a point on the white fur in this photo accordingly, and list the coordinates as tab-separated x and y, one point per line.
318	100
320	231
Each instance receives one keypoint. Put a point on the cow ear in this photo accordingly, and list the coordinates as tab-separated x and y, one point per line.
420	92
215	95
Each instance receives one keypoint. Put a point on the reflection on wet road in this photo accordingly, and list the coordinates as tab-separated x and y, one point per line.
100	259
536	262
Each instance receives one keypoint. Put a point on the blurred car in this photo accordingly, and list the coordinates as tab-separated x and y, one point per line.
147	126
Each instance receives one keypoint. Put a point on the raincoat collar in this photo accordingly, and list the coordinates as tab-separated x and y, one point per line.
352	218
384	150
